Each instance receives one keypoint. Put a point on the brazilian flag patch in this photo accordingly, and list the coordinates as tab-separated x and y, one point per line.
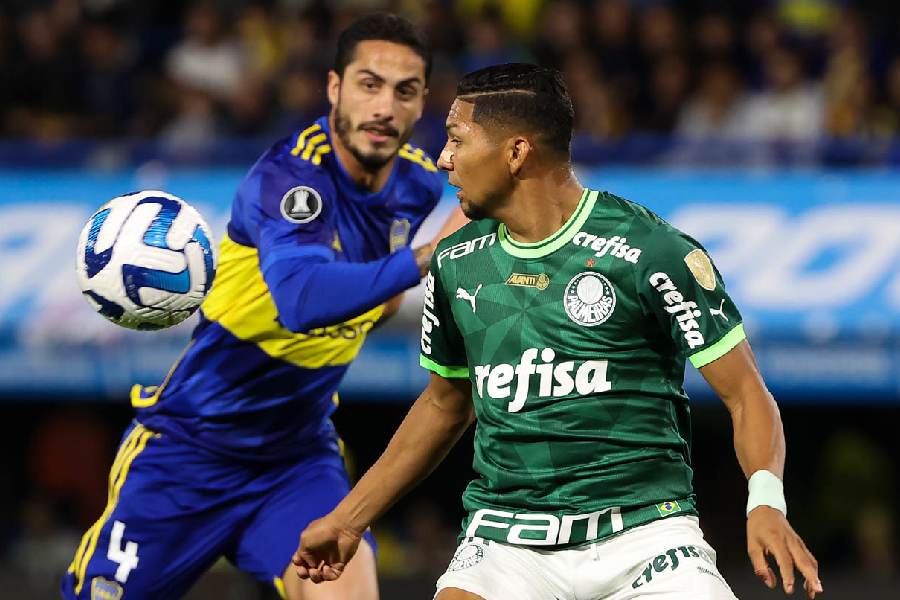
667	508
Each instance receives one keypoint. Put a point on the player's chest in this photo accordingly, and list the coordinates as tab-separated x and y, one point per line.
368	233
577	293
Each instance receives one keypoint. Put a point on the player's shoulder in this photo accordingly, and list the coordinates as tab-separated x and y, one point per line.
293	166
420	168
642	220
647	230
475	235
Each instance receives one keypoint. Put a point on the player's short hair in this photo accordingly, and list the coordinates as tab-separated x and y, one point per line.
522	95
382	26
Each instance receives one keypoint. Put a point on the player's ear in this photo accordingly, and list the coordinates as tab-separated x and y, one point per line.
519	149
333	88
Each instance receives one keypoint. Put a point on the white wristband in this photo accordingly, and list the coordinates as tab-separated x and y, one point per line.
766	489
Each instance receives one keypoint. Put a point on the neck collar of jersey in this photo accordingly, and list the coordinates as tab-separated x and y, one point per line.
348	186
556	241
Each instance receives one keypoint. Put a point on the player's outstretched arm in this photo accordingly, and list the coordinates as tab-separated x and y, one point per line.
434	424
759	444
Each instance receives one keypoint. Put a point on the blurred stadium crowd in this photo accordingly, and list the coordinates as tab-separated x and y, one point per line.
194	71
642	73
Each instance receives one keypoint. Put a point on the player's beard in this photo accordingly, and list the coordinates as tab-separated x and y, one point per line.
370	161
477	212
474	212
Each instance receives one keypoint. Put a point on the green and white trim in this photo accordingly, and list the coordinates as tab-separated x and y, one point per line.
556	241
448	372
720	348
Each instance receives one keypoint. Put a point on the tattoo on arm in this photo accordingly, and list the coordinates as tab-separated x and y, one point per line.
423	256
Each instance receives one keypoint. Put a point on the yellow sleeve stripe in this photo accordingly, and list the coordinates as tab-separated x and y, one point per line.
301	139
418	156
448	372
279	586
720	348
313	142
124	449
133	445
312	148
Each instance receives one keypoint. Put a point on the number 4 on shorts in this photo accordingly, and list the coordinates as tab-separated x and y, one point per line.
126	558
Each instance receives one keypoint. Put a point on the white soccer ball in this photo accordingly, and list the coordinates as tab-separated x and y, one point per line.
146	260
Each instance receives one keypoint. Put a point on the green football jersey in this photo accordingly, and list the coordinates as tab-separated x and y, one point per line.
575	347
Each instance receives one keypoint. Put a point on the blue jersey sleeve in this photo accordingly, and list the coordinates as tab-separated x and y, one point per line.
293	229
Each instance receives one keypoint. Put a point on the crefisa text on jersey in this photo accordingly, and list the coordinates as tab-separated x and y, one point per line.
429	320
615	246
685	311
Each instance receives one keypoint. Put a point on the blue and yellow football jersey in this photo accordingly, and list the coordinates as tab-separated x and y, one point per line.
247	385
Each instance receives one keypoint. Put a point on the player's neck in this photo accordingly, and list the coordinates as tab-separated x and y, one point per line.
540	206
370	181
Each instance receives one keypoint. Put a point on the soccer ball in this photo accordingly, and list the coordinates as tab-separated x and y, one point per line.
146	260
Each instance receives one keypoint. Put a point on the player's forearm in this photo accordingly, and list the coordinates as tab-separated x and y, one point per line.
758	434
310	293
421	442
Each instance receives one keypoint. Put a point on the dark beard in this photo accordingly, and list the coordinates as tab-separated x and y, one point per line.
369	162
474	212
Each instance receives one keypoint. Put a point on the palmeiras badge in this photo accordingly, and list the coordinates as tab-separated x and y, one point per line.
589	299
466	556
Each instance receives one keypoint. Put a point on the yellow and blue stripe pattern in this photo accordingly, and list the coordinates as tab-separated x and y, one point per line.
418	156
131	447
310	144
241	303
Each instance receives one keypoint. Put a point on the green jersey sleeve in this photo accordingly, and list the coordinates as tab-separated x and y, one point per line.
679	286
442	347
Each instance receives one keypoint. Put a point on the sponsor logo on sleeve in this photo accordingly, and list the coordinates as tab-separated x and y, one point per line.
301	204
429	320
589	299
701	268
685	311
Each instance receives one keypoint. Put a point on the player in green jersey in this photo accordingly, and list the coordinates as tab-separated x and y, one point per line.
561	319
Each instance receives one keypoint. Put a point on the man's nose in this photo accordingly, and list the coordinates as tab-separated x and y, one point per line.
384	105
445	160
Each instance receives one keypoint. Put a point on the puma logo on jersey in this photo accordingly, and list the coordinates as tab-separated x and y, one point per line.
464	295
553	380
719	311
614	246
464	248
685	312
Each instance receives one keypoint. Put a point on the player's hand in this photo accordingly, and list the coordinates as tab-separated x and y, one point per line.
769	533
325	548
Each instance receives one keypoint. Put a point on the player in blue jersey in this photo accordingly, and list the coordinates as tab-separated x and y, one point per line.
233	454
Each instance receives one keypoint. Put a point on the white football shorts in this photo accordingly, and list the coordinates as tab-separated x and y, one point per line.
667	559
